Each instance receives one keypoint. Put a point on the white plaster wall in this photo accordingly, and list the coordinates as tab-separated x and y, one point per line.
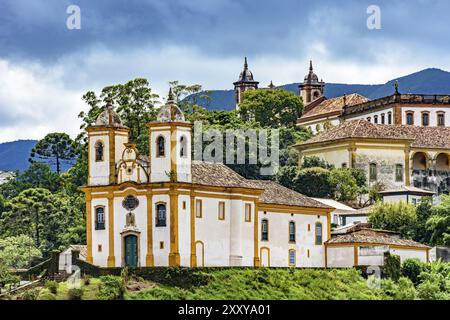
161	256
386	160
279	245
340	257
351	219
402	198
375	113
184	163
140	214
99	171
214	233
313	124
333	157
120	142
418	115
410	254
248	235
100	237
184	230
160	165
237	219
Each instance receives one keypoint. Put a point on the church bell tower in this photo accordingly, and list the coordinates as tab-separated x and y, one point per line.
311	89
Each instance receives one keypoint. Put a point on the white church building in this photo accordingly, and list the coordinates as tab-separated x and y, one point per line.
167	210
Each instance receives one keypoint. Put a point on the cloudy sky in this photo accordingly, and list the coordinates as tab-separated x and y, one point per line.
45	67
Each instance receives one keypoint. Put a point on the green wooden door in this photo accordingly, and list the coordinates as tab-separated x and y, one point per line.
131	251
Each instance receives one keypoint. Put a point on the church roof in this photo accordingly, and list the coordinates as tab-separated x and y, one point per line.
219	175
420	137
246	75
170	111
333	106
109	118
275	193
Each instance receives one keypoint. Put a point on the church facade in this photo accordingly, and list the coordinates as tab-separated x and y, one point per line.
165	209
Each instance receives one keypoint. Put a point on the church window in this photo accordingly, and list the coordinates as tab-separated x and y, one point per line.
399	173
99	248
198	208
248	212
292	258
99	151
375	119
264	230
184	205
292	231
369	119
373	172
425	119
410	118
130	203
344	165
221	210
160	146
160	215
100	218
441	119
161	244
319	238
389	117
383	118
183	147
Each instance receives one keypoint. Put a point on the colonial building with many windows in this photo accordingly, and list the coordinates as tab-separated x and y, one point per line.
393	156
167	210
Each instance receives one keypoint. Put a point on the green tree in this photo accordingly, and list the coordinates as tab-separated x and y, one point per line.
439	223
55	149
424	211
271	108
313	162
400	217
344	184
313	182
38	175
136	107
43	216
18	252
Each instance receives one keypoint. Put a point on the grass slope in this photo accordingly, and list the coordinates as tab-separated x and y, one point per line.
273	284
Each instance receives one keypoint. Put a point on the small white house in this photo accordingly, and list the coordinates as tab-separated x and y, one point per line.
340	211
362	246
406	194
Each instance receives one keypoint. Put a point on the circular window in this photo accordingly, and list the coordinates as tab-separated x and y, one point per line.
130	203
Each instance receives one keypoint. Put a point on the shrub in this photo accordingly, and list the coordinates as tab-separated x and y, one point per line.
392	266
87	280
52	286
401	290
411	268
75	293
31	294
45	294
111	288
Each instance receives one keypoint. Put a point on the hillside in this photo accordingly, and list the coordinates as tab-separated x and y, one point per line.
428	81
14	155
272	284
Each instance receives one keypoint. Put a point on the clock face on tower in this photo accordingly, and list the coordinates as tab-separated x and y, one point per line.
130	203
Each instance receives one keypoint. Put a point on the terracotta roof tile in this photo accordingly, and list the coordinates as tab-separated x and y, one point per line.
219	175
333	105
370	236
275	193
421	137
